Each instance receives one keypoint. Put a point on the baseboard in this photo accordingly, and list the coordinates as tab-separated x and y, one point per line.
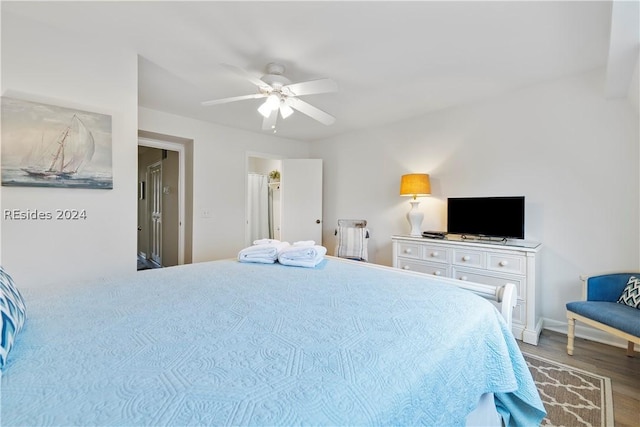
142	255
586	332
531	336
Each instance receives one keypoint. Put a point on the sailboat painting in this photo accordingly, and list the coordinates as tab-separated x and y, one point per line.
51	146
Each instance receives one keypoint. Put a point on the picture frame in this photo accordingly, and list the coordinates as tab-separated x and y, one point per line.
46	145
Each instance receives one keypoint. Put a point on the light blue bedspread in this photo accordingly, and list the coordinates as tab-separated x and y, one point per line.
229	343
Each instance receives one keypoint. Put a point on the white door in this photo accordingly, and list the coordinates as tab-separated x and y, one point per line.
301	200
155	211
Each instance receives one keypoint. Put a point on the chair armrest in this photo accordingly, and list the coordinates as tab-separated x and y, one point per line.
606	287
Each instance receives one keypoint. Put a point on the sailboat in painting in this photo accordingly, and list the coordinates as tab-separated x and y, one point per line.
72	150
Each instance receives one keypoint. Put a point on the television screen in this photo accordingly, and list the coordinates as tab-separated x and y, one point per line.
486	216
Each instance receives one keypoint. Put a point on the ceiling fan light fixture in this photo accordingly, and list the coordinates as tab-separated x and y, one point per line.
271	104
285	110
273	101
265	109
281	95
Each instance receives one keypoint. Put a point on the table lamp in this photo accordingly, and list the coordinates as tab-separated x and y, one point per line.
416	185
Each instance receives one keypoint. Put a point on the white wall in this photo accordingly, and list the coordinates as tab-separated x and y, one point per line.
570	152
220	174
634	93
634	87
0	136
40	63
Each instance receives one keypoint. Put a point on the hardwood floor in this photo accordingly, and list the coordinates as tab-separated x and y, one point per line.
603	360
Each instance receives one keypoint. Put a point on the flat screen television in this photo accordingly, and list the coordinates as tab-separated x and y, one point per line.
486	216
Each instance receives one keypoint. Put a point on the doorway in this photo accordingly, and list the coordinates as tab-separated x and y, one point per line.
263	199
296	200
161	204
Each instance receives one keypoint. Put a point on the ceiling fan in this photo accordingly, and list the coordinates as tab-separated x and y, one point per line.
281	95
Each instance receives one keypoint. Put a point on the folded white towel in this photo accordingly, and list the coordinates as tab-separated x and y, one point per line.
265	241
304	243
302	256
264	253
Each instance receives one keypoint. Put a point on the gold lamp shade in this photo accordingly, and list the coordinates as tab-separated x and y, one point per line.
415	184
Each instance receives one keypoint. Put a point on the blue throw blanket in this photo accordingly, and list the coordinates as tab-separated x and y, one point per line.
230	343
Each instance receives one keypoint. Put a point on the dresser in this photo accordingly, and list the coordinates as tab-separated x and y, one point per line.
490	263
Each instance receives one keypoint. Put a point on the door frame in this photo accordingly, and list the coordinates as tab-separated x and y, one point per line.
173	146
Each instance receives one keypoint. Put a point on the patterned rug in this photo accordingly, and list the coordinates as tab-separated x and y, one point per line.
571	396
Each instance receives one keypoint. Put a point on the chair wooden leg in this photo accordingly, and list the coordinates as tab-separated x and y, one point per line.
630	348
570	335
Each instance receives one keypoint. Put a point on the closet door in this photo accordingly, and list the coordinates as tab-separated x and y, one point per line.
301	199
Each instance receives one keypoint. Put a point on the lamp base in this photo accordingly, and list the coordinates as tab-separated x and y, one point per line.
415	217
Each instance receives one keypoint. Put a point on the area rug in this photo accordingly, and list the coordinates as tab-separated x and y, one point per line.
571	396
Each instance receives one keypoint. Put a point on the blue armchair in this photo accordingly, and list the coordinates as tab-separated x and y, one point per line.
602	311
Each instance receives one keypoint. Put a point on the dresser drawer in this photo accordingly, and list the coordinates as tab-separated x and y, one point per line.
409	250
491	279
507	263
468	258
435	254
435	269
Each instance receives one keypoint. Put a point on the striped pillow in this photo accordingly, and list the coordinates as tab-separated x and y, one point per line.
12	314
631	294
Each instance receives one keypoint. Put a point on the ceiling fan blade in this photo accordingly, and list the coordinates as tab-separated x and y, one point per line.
311	87
311	111
269	123
247	75
233	99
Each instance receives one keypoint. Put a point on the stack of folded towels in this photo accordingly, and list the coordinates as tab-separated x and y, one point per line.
267	251
302	254
264	251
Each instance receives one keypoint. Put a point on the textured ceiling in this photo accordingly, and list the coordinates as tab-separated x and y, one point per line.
392	60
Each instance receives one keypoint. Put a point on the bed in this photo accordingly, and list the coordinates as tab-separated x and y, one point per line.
231	343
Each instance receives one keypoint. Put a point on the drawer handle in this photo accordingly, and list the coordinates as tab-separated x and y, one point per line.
434	254
463	278
503	263
466	258
407	251
437	273
406	267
